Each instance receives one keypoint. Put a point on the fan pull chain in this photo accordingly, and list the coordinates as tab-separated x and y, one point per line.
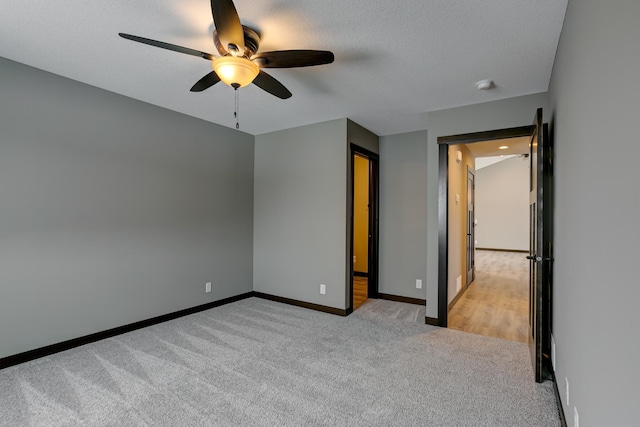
235	113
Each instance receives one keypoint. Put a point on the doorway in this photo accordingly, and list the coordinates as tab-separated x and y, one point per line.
493	229
539	327
363	210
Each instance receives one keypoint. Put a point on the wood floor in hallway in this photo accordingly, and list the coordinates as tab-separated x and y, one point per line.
496	304
360	289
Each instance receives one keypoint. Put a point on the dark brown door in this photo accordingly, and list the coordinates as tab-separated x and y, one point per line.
374	226
539	248
471	245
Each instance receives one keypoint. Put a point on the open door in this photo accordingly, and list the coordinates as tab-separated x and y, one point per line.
374	226
540	256
471	235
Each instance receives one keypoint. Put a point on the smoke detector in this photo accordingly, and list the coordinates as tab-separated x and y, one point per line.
485	84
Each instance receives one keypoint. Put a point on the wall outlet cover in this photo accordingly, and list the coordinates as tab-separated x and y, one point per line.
418	283
553	353
207	287
323	289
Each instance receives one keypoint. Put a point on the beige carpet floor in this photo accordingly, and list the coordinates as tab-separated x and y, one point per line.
261	363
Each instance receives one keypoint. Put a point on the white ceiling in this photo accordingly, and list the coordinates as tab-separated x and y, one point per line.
395	60
515	146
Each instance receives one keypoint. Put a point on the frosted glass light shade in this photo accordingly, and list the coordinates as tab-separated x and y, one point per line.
234	71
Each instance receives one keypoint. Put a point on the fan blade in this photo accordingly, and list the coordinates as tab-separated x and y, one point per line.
168	46
266	82
293	58
228	26
206	82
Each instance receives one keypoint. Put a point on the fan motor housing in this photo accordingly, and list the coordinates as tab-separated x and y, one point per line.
251	42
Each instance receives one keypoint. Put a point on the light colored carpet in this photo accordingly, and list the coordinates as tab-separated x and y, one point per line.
384	309
261	363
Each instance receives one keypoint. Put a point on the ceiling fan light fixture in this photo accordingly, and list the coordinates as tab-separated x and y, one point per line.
235	71
236	43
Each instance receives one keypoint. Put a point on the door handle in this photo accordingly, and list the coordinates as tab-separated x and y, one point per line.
539	258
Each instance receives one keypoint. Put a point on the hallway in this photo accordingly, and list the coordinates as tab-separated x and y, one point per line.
496	303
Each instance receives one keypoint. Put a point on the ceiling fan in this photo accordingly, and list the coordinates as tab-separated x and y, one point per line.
239	63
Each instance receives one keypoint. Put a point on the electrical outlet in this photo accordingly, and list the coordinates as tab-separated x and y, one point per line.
576	419
566	388
418	283
355	259
323	289
207	287
553	353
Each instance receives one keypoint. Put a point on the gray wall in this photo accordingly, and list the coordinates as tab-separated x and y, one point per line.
403	214
113	210
596	93
300	210
494	115
502	205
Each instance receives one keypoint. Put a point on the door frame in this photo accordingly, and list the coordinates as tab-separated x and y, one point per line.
443	202
374	222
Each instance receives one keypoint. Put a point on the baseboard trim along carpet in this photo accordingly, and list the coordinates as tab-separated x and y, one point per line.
37	353
397	298
563	419
303	304
433	321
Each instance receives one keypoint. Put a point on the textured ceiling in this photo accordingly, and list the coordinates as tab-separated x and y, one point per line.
395	61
